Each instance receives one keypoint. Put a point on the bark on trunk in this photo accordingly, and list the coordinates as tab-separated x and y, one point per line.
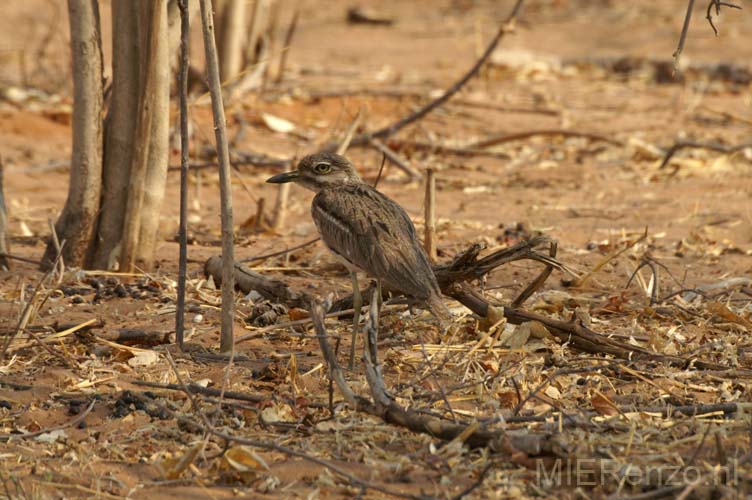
119	133
159	138
153	16
233	38
77	222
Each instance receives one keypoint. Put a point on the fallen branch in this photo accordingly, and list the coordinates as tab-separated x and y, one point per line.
398	144
518	136
281	252
452	279
248	280
538	281
4	256
395	159
667	411
574	332
204	391
720	148
517	446
240	159
466	266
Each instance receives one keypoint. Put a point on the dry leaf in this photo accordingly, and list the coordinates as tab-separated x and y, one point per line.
244	459
277	413
603	405
552	392
173	467
727	314
494	317
296	314
277	124
144	358
52	436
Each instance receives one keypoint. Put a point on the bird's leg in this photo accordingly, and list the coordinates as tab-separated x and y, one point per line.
378	295
357	304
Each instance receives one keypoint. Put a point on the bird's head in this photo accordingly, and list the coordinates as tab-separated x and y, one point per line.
319	171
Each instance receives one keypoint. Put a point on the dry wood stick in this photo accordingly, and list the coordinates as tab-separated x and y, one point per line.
4	263
286	46
281	252
258	221
347	138
335	371
720	148
271	36
280	206
683	35
387	409
205	391
26	314
537	282
398	144
367	138
49	349
467	266
430	215
717	4
517	136
223	154
183	228
395	159
20	259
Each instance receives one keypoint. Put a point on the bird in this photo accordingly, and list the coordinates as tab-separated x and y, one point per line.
367	231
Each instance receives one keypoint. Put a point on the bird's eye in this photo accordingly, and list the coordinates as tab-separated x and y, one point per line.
322	168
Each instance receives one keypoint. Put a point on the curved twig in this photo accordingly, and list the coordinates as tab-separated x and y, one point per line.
506	26
493	141
711	146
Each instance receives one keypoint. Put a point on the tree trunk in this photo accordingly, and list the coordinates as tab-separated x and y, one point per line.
233	38
258	27
77	222
128	182
159	138
256	53
119	132
153	15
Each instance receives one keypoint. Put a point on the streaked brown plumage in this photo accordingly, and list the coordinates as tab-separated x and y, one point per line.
366	229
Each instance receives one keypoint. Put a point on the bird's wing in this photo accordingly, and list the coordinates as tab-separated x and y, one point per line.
375	234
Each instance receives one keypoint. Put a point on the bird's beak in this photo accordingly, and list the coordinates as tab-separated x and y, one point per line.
284	177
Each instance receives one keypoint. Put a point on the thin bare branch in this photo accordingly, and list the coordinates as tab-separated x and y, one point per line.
220	130
183	228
